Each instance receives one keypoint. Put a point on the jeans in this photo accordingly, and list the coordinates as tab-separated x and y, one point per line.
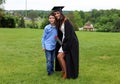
50	60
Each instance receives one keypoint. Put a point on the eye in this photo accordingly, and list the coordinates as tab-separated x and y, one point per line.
58	12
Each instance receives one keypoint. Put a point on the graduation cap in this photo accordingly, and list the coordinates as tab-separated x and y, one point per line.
57	8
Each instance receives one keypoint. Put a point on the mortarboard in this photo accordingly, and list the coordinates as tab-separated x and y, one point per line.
57	8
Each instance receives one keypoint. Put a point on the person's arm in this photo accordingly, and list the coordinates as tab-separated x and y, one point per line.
43	39
58	40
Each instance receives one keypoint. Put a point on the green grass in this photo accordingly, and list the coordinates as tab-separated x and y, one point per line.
22	60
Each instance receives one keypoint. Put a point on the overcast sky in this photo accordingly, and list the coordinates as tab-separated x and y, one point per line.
85	5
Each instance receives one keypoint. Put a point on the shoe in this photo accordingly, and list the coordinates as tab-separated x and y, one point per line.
50	73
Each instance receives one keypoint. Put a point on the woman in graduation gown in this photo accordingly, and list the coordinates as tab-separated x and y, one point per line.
67	59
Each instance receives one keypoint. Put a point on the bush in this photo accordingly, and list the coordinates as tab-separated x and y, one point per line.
116	27
21	23
104	27
44	23
7	22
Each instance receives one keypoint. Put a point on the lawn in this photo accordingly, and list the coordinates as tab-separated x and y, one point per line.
22	60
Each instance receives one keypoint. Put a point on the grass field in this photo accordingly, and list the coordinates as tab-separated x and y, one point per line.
23	62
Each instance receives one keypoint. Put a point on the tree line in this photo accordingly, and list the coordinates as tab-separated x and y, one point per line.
103	20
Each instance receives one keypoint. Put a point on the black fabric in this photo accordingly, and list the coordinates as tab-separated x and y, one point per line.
57	65
71	49
57	8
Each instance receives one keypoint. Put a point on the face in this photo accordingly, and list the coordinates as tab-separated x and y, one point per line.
57	14
52	19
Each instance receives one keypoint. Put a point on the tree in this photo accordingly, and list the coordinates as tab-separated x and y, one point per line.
44	23
2	1
116	27
8	22
82	14
33	15
1	9
76	20
21	23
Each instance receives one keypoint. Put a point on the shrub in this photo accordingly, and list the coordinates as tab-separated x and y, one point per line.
44	23
7	22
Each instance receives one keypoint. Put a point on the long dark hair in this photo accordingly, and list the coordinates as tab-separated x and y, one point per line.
60	21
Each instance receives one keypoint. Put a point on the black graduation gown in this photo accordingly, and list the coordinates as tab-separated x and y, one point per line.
71	49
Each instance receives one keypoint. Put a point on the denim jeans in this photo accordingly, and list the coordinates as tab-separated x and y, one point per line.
50	60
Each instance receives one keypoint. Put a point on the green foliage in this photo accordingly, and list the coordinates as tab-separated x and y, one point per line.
32	15
32	25
102	20
44	23
75	19
35	25
21	23
8	21
1	12
116	27
104	28
2	1
87	16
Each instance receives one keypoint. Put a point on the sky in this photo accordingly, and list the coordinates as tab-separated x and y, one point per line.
84	5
